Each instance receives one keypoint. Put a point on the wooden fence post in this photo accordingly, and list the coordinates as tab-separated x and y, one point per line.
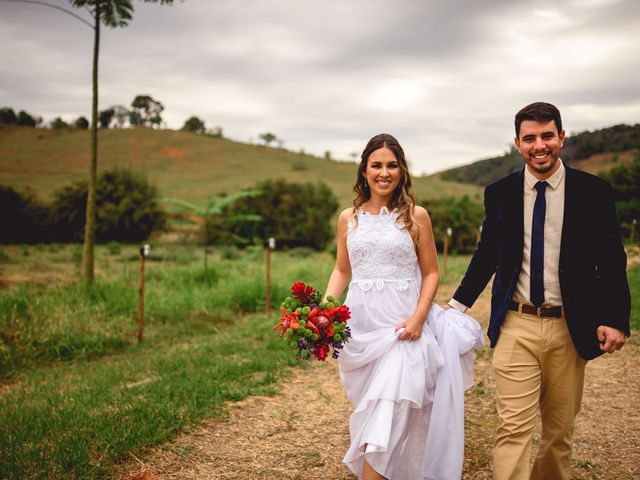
144	253
269	245
447	234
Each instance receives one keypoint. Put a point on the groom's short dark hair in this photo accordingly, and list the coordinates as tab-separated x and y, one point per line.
539	112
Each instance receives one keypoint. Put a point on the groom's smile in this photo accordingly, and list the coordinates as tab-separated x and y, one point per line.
539	144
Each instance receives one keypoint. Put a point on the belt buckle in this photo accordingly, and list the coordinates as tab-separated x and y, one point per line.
539	311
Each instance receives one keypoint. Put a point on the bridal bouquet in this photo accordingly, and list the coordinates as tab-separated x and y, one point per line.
310	325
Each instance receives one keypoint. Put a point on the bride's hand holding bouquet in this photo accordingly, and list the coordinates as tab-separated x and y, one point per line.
311	325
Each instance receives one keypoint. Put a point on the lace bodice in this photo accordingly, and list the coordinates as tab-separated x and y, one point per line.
380	252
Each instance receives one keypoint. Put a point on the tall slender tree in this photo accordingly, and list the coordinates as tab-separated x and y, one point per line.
111	13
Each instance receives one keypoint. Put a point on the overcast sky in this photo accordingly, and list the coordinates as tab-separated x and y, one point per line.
444	76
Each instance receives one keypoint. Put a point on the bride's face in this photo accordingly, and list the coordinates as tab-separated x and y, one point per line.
383	172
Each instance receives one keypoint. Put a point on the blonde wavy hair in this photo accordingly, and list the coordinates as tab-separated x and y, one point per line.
402	199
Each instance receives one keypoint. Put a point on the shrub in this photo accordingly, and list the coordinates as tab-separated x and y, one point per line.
23	218
462	215
126	208
625	182
295	214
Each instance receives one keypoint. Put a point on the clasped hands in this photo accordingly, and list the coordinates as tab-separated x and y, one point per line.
412	329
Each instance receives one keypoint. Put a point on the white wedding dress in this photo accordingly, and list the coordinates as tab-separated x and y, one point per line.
408	420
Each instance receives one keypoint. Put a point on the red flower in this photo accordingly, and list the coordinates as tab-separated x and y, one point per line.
340	314
287	321
322	351
302	292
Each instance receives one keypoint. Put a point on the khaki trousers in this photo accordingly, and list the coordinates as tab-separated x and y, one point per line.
536	368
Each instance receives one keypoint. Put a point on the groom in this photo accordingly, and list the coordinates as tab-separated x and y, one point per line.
560	295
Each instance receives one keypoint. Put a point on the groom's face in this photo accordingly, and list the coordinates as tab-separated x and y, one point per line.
539	144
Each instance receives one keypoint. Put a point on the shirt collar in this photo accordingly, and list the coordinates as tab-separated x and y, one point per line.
553	181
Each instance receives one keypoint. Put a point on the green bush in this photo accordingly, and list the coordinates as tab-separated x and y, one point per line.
23	218
295	214
625	182
126	208
462	215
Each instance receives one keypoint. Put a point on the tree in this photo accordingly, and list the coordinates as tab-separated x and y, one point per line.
296	214
625	182
25	120
112	13
195	125
267	138
214	206
115	116
463	215
8	116
23	217
81	123
58	124
105	117
126	208
146	112
121	115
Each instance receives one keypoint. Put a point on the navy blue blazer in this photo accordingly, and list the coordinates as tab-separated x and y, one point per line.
592	270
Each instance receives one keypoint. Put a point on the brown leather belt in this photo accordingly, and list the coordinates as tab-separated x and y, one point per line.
555	312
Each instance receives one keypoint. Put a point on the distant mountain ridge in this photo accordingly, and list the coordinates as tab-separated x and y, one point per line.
590	151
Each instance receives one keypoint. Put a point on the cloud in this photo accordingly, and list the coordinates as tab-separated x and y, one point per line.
445	77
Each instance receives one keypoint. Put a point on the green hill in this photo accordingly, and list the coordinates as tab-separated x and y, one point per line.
182	164
592	152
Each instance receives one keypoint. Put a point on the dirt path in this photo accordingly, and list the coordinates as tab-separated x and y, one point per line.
302	433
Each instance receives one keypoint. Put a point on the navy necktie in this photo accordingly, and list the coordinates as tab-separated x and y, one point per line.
537	246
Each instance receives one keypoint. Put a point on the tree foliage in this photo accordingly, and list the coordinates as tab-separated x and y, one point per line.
462	215
105	117
112	13
58	124
625	182
24	119
145	112
126	208
23	218
81	123
267	138
295	214
8	116
195	125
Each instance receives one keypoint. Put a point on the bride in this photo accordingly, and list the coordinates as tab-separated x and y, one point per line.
408	361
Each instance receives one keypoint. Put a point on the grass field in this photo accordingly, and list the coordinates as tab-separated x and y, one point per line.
78	394
78	391
181	164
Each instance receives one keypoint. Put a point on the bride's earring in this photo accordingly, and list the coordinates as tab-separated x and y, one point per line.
366	184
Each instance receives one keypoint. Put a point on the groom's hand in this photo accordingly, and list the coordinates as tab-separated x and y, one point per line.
611	339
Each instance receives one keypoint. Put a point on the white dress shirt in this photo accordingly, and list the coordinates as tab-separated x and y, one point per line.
554	196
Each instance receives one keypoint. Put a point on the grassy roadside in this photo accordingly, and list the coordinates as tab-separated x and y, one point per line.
40	324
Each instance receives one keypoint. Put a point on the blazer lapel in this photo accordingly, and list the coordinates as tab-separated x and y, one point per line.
570	211
516	200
